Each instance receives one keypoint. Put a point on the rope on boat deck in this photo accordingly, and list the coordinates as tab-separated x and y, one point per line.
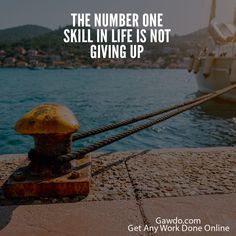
177	110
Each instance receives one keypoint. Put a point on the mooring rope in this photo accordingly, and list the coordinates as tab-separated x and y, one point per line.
92	147
132	120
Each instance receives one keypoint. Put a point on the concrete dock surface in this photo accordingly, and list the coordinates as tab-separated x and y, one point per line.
131	189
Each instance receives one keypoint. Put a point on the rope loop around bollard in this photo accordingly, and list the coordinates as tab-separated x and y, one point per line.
172	113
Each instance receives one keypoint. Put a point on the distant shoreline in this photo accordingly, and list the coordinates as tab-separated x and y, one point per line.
90	67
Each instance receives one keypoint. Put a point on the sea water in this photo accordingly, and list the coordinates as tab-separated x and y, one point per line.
102	96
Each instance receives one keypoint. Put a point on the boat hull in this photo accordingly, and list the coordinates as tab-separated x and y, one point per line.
219	78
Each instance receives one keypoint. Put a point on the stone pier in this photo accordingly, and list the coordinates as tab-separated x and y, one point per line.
132	188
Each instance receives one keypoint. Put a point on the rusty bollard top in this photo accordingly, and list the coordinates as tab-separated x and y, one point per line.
48	119
51	126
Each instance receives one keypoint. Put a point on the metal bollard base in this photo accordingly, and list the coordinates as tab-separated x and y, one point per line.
23	183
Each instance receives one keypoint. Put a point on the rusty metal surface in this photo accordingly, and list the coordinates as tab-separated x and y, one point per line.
48	119
76	182
51	126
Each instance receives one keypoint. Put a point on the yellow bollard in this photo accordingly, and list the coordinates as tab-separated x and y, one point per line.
51	126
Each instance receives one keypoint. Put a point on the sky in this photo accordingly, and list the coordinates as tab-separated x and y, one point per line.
182	16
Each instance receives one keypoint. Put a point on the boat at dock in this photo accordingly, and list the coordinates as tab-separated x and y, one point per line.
37	66
215	65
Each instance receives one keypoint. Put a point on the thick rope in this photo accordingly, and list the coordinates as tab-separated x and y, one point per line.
131	120
92	147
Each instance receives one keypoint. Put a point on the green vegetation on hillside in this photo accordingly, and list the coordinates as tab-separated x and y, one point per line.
15	34
50	44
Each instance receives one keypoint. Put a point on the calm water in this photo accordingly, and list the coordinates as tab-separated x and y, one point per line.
98	97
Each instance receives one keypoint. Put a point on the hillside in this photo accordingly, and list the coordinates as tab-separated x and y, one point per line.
12	35
195	37
51	42
42	37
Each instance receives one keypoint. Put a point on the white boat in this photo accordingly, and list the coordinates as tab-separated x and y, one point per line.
215	66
